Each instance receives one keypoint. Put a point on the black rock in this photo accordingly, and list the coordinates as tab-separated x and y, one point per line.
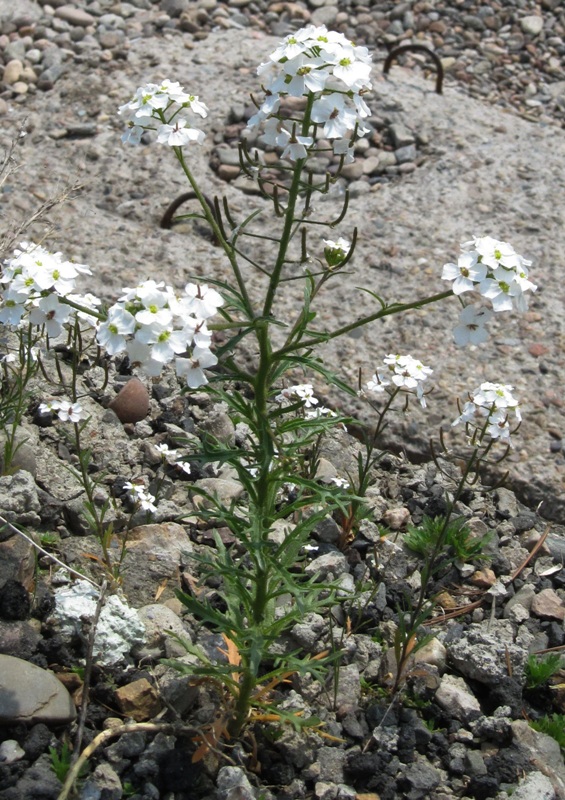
507	692
176	771
37	741
14	601
482	787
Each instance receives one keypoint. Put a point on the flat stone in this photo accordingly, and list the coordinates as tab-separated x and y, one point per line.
75	16
31	694
160	621
17	561
154	558
548	605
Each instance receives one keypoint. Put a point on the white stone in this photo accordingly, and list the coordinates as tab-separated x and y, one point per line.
119	627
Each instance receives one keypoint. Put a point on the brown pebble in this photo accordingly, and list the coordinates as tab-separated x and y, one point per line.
131	404
538	349
138	700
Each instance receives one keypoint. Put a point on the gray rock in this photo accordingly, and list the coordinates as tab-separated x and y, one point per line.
160	621
523	598
219	425
103	784
225	490
10	751
543	753
233	784
534	785
174	8
419	780
75	16
481	654
18	500
31	694
18	639
330	564
308	634
154	554
332	763
39	781
405	154
348	688
401	135
456	698
17	560
532	25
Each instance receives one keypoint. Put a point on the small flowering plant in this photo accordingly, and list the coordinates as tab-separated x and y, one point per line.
315	84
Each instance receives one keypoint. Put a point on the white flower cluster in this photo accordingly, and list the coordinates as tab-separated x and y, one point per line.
334	73
487	412
65	410
495	270
140	497
161	107
154	326
173	458
300	391
304	392
402	373
35	282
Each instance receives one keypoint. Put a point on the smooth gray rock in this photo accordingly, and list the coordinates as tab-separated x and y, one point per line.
31	694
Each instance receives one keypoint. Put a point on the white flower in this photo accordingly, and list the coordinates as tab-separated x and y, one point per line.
192	369
69	412
112	334
65	410
50	313
161	104
471	328
503	292
335	252
179	134
296	147
341	483
184	466
465	273
13	307
140	496
324	66
204	301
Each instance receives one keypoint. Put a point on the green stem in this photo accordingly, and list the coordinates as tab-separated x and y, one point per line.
228	249
287	231
397	308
